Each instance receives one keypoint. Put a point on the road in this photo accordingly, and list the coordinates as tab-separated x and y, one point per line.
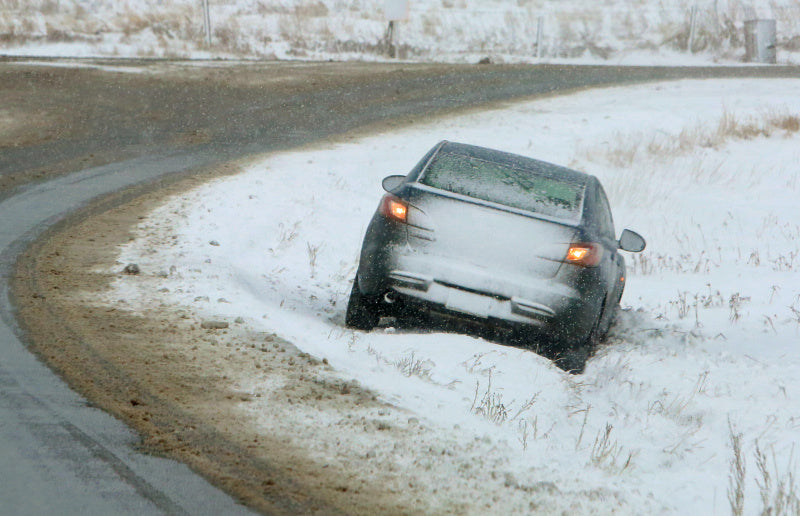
76	134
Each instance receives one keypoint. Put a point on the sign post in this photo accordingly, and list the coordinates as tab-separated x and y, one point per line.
395	11
207	22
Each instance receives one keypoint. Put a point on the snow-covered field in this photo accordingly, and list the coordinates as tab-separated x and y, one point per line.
703	360
613	31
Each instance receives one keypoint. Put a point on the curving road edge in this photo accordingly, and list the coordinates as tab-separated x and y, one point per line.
58	454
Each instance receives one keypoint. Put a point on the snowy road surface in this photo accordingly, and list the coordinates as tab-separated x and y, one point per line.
704	355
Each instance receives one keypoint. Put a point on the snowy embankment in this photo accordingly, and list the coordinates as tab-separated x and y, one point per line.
614	31
704	356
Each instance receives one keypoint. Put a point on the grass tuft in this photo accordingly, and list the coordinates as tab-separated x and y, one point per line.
608	454
628	149
737	473
778	492
491	405
412	366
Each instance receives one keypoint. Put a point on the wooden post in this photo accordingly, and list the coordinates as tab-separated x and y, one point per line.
390	39
539	36
692	25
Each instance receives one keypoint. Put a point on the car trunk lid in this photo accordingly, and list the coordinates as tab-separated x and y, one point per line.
473	235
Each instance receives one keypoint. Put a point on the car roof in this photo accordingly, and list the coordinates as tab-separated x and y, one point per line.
535	166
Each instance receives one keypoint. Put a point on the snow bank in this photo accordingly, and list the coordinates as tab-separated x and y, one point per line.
618	32
704	353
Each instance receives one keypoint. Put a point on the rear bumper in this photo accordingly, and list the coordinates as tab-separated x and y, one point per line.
476	304
564	305
550	307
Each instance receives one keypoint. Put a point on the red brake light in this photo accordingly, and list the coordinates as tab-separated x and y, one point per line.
585	254
393	207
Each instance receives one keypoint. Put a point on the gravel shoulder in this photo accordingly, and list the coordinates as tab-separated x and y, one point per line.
169	379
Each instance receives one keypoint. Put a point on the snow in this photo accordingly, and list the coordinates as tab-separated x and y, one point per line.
706	347
504	184
627	32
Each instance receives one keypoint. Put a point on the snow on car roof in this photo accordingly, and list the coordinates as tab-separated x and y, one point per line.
517	161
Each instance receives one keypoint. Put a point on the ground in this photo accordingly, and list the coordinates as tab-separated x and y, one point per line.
177	384
177	391
174	390
180	386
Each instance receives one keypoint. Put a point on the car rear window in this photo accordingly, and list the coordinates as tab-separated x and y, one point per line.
504	184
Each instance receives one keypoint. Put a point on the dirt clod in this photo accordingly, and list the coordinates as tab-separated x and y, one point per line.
214	325
132	269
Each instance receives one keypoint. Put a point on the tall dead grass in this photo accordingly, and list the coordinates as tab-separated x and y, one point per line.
626	149
778	490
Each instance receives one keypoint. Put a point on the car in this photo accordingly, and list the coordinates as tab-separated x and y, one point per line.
496	238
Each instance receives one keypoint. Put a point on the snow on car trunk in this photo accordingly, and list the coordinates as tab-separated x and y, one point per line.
504	243
705	356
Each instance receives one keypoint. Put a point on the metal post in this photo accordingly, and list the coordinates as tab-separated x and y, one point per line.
395	12
692	22
539	36
759	41
207	22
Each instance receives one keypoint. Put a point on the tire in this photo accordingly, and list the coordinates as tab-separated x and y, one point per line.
612	318
573	359
362	311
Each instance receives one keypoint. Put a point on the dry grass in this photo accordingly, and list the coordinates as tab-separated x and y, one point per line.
133	22
608	454
412	366
491	27
491	406
676	407
778	491
45	7
736	477
627	149
785	122
311	10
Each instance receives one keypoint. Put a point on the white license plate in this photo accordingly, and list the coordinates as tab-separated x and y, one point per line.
468	303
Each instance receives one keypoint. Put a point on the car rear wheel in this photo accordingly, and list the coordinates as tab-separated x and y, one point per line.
573	359
362	311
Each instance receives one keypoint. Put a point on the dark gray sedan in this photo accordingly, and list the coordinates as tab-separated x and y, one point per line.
496	238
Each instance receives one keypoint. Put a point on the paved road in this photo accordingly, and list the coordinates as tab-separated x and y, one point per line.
58	455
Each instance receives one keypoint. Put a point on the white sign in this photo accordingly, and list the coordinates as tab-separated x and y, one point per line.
396	10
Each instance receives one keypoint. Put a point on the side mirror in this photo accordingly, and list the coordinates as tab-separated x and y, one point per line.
392	183
631	241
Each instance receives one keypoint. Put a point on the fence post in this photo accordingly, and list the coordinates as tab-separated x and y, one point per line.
692	25
390	38
207	22
539	36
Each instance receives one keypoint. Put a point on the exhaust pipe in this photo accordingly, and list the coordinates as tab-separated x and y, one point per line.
390	297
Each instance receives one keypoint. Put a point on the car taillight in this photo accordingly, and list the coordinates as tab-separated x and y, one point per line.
394	208
584	254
